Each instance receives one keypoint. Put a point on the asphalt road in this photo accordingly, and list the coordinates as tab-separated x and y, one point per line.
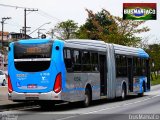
134	108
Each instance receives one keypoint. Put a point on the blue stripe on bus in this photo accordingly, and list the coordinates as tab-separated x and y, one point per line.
142	53
80	89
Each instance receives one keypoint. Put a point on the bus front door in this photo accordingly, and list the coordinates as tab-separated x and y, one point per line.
103	74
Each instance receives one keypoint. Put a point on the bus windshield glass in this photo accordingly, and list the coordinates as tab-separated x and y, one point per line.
22	51
32	57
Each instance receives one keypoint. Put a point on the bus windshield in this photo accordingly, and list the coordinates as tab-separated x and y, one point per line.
32	57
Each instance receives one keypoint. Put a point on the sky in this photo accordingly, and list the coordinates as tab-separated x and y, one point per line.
55	11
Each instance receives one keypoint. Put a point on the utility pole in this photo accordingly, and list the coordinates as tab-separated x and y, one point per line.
3	19
25	14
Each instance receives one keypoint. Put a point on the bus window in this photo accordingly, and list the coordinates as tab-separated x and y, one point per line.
94	60
121	66
139	67
32	58
86	61
77	60
68	59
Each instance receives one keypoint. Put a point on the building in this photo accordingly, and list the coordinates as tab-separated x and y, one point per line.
16	36
7	38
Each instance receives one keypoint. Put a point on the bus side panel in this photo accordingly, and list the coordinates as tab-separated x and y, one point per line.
94	79
119	83
74	86
76	83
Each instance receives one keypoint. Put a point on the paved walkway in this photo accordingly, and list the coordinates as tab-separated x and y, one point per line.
4	102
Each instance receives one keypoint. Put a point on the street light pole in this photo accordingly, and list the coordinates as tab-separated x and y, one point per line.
39	27
25	23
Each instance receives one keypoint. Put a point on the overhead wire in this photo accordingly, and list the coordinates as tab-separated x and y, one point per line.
40	12
45	14
4	5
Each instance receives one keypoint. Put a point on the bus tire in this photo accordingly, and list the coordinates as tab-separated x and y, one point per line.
87	100
123	92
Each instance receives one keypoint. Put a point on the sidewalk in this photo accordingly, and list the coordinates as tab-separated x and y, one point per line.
4	102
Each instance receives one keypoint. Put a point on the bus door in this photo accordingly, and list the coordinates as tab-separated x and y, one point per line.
148	74
130	73
103	74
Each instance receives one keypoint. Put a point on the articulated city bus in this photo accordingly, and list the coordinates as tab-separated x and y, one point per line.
53	71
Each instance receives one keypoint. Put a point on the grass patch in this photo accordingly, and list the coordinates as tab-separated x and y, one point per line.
155	80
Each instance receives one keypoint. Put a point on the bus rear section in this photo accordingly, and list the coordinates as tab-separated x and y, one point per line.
33	70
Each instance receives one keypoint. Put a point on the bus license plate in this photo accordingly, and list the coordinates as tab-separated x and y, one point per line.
31	86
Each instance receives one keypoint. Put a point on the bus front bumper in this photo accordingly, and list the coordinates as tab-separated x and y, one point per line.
34	96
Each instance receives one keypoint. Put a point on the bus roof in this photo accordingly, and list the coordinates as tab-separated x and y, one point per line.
34	41
86	44
102	46
92	45
119	49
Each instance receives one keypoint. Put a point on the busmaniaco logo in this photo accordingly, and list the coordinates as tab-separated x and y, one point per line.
139	11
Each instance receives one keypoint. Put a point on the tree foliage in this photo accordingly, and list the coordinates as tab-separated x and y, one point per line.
154	52
111	29
65	30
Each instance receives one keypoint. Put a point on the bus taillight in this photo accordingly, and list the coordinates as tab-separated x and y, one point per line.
58	83
10	89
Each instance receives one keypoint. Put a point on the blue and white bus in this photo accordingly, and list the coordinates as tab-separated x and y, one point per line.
53	71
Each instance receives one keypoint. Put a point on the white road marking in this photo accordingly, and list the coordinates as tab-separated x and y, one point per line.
91	112
126	104
67	117
153	95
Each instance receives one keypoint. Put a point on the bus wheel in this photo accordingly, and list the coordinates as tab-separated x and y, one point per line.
87	100
123	93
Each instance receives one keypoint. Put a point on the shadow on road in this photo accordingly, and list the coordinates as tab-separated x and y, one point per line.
77	105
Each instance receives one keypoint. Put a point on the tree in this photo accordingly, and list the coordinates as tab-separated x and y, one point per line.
128	29
154	52
65	30
111	29
97	26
